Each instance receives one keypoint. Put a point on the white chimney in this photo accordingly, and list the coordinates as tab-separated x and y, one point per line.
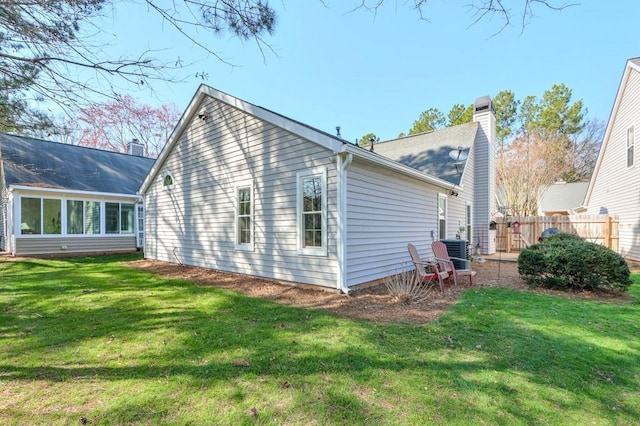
135	148
484	204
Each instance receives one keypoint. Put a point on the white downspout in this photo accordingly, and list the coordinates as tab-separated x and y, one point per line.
342	163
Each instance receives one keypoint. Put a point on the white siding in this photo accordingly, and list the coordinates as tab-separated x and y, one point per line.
616	188
385	212
79	244
484	177
193	222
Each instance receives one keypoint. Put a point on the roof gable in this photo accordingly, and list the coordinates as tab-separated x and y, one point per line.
429	152
632	65
45	164
312	134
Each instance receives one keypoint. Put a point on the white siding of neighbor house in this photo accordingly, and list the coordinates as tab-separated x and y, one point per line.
194	221
616	188
385	212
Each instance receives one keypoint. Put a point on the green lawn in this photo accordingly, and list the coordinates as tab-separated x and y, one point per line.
93	341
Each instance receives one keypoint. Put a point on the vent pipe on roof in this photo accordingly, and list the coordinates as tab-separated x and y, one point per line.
338	132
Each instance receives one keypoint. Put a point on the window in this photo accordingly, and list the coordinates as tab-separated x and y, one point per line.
31	216
119	218
244	219
40	216
468	222
630	143
127	218
112	218
168	181
442	216
46	216
75	217
312	212
52	216
91	217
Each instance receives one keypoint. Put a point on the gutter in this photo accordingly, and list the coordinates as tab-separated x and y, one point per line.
343	161
73	192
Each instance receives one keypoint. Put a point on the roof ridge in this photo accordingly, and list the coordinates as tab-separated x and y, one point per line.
40	140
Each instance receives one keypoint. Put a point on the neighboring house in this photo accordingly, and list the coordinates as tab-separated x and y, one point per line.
57	198
562	198
240	188
614	188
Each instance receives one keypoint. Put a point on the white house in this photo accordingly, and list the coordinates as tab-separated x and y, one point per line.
614	188
243	189
59	199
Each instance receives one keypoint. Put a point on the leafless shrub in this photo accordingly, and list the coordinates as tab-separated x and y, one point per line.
404	288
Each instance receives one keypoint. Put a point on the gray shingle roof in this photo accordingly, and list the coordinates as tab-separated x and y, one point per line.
563	197
34	162
429	152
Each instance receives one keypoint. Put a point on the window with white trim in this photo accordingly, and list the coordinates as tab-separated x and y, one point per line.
312	212
119	218
442	216
468	222
630	144
167	181
40	216
244	217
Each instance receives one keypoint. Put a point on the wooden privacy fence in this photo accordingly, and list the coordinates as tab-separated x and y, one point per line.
600	229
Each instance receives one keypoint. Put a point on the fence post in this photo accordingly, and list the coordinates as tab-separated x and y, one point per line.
607	232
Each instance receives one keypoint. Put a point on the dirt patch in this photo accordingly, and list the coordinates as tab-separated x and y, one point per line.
373	303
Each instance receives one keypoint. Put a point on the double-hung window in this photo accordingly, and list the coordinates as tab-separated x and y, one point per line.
244	217
630	144
442	216
312	212
468	222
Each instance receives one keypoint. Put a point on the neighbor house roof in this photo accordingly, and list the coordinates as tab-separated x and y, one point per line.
429	152
563	197
44	164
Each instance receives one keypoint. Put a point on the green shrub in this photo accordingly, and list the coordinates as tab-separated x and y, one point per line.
563	236
565	261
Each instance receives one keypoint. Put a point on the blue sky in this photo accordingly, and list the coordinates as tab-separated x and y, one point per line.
377	73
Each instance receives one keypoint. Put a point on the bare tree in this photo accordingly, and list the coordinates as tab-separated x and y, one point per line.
524	10
524	171
43	45
112	125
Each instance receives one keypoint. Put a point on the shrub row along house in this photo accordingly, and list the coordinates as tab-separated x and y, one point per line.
243	189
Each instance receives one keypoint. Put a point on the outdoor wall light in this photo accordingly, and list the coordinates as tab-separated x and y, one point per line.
203	114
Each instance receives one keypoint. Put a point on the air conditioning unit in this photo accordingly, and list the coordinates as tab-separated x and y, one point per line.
457	248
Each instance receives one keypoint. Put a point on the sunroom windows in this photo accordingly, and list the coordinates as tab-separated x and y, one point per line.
54	216
40	216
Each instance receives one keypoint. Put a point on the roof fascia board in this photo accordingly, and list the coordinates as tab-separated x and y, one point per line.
256	111
605	141
73	192
395	166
